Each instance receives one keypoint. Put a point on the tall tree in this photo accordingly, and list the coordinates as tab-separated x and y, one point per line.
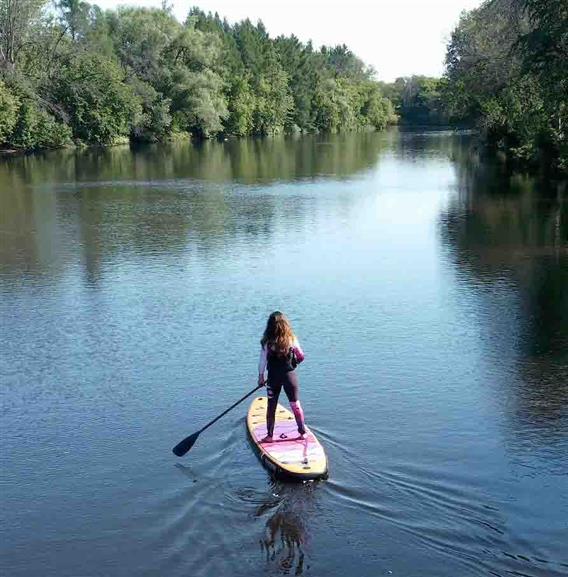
506	69
104	76
75	16
16	20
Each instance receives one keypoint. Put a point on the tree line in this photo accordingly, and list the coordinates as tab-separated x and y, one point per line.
507	73
73	73
420	101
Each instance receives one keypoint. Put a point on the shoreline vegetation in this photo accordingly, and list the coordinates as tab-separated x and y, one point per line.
72	74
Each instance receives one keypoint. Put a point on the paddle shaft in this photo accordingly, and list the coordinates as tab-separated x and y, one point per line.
184	446
229	409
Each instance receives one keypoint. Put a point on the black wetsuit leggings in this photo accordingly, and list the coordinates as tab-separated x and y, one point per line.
288	380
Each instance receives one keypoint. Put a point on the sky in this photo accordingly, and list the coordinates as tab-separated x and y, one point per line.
396	37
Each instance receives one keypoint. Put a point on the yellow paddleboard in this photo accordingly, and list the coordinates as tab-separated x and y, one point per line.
288	455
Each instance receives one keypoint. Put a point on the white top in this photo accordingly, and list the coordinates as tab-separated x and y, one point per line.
263	360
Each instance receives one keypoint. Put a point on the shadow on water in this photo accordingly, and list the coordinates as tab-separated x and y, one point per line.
507	236
187	471
514	228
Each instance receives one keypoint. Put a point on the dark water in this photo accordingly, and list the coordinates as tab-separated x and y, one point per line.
430	292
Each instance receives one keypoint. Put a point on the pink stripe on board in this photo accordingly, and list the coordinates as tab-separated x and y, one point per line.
292	448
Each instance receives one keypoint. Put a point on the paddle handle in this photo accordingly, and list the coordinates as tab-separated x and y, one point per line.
230	408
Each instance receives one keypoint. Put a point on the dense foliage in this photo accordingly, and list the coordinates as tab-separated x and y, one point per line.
507	71
70	72
419	100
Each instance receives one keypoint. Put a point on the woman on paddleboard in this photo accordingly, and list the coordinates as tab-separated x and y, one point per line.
280	353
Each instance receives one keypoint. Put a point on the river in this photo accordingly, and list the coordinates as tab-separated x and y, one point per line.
428	287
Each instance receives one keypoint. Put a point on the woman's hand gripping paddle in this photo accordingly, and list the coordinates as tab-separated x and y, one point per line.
184	446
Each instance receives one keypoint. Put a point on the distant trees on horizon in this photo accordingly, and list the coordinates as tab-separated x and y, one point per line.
71	73
77	73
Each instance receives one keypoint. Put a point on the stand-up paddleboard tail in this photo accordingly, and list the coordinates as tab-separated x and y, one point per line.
288	455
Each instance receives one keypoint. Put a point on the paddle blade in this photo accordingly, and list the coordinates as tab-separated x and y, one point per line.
184	446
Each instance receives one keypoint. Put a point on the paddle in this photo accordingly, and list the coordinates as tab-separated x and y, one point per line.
184	446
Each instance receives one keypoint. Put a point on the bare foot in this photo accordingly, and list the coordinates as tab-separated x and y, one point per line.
303	436
266	439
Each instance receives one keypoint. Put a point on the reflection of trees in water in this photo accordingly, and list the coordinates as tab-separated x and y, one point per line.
285	531
267	160
122	222
511	231
423	145
245	160
29	239
160	199
514	227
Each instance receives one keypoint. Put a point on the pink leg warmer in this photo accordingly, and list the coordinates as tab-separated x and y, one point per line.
299	415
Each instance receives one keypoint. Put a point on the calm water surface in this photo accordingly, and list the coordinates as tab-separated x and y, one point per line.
430	292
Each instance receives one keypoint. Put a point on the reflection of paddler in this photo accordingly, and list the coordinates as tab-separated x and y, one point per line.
285	532
287	528
280	354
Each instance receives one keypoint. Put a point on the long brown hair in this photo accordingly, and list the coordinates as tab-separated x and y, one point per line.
278	334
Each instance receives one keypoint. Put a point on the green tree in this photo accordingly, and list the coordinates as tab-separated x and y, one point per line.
154	122
273	102
17	18
300	64
104	76
92	92
75	16
241	107
142	40
345	64
376	110
421	100
37	129
332	106
196	89
544	54
197	101
506	70
9	107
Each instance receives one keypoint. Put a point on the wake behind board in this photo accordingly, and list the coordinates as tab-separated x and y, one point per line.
288	455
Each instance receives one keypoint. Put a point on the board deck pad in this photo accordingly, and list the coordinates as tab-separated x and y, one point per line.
288	453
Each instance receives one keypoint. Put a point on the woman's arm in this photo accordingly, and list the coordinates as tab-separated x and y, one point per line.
298	351
262	361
